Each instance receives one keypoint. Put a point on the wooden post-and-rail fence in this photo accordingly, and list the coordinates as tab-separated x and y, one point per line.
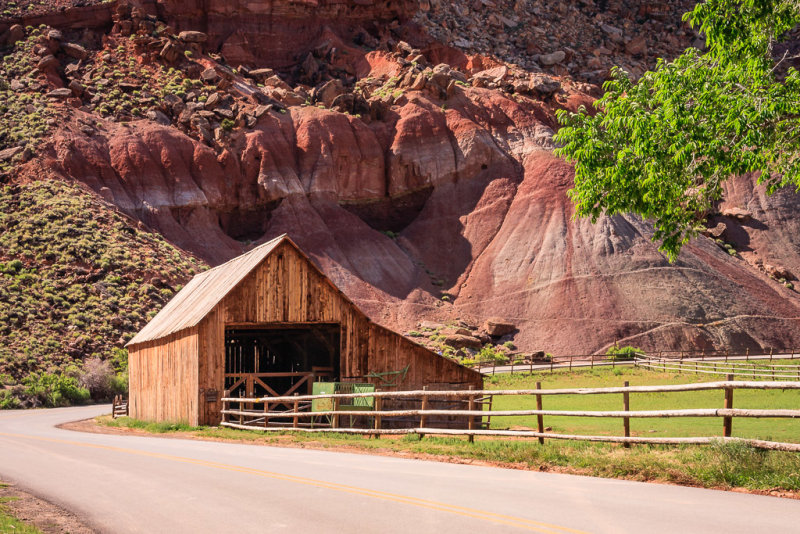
529	363
297	407
119	406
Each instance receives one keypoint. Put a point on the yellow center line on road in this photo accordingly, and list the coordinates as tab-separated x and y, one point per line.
519	522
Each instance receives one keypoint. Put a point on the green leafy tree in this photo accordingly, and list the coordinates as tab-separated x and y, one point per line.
663	146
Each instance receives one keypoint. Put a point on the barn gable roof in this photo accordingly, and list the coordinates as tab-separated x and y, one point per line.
201	295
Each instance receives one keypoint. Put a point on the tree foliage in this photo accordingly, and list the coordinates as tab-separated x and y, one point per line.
662	146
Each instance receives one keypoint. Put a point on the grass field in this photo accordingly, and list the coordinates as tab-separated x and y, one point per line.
720	465
770	429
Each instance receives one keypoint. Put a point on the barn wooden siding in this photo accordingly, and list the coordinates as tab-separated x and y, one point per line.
163	379
285	287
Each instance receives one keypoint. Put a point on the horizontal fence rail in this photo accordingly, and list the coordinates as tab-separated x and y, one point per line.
522	363
743	369
297	416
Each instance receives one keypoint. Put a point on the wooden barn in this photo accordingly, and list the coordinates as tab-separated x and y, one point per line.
268	323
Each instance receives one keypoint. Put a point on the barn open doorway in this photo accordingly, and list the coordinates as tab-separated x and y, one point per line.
280	360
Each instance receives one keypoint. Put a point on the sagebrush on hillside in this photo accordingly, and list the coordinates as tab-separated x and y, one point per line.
77	280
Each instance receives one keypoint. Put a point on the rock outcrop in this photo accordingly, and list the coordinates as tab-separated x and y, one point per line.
420	178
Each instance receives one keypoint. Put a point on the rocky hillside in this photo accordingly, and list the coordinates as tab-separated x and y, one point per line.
417	172
77	278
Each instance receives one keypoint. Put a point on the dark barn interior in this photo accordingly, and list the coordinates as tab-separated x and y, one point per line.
280	360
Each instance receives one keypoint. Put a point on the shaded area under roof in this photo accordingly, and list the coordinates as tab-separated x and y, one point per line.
203	293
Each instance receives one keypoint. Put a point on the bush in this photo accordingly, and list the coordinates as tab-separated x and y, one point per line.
97	378
627	352
8	401
227	124
52	390
489	354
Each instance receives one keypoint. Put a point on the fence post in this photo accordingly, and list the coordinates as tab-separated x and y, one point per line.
266	414
422	418
626	421
471	420
540	417
531	362
241	408
335	421
378	408
727	421
726	355
747	354
114	407
570	363
295	421
551	363
591	361
494	364
225	405
770	355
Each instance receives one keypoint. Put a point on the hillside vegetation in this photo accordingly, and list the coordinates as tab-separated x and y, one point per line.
77	280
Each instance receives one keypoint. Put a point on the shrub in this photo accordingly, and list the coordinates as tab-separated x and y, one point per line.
627	352
488	353
227	125
54	390
97	378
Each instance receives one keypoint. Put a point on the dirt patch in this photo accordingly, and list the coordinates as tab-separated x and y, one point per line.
285	440
47	517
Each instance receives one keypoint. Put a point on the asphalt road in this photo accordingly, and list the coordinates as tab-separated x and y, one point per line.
122	484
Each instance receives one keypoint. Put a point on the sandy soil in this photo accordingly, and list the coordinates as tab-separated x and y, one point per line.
47	517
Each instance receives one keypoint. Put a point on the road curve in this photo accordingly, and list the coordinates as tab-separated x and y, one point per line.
133	484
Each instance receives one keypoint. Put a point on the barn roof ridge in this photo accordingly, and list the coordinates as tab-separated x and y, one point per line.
203	292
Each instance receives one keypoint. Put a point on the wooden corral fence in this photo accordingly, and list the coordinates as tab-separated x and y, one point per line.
753	369
242	413
119	407
523	362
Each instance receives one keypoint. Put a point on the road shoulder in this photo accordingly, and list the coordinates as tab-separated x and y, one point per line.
45	516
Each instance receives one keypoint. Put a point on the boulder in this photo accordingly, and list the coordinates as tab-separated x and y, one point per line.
74	50
458	341
158	117
209	76
170	53
14	34
636	46
193	37
48	62
737	213
717	231
9	153
544	86
277	83
498	327
62	93
261	74
76	87
552	58
327	92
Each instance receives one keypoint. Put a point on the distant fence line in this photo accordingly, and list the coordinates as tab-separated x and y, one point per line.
297	410
522	363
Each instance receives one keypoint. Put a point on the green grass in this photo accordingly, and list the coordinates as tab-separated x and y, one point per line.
770	429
